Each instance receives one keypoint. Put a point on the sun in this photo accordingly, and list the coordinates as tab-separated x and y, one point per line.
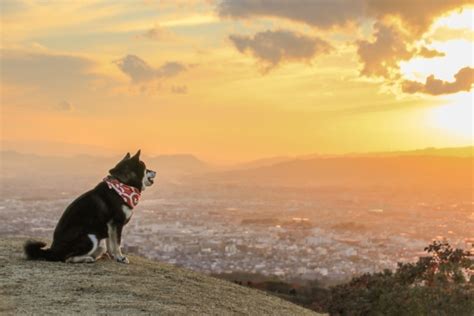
456	117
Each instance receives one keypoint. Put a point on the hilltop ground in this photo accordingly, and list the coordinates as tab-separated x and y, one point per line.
106	287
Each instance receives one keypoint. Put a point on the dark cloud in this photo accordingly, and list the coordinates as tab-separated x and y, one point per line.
136	68
323	14
393	40
170	69
415	14
464	79
398	24
381	56
430	53
274	47
139	71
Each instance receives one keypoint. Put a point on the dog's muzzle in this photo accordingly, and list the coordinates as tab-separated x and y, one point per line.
150	176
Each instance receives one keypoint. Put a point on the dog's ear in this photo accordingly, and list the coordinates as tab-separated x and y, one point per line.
121	174
137	155
127	156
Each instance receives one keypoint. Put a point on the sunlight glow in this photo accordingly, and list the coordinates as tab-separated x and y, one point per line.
458	52
456	117
457	20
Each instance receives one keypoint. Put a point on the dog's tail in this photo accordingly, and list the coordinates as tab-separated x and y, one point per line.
33	251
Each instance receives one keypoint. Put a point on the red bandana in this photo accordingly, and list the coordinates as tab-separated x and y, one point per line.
130	195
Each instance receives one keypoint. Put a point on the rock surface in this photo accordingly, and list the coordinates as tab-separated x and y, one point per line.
106	287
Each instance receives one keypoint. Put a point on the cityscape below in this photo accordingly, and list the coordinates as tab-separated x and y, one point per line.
323	233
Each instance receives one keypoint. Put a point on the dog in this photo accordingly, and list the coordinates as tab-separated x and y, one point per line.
97	215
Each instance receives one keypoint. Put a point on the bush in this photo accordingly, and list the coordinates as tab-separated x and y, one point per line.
437	284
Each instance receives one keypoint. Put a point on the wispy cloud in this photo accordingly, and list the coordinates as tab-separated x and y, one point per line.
140	71
48	71
159	33
191	20
179	89
64	106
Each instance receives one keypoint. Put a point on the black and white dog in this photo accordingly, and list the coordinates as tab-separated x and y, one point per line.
97	215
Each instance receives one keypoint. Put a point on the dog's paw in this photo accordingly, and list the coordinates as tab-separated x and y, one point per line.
122	259
107	256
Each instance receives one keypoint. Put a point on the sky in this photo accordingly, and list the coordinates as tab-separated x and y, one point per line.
236	80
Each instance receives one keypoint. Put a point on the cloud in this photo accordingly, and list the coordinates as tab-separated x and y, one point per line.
65	106
274	47
136	68
179	89
12	6
47	71
444	34
398	25
381	56
170	69
159	33
430	53
139	71
323	14
415	14
464	79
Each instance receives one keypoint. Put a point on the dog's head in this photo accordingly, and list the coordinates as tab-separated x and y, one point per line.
132	171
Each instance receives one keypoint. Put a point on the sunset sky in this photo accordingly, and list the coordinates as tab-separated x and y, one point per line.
236	80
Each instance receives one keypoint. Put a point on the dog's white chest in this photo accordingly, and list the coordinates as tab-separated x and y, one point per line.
127	211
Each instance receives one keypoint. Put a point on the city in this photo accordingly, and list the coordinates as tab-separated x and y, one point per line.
292	233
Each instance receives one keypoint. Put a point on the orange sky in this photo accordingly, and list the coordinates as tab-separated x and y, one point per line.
236	79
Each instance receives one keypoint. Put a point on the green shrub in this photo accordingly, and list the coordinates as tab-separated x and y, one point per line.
435	285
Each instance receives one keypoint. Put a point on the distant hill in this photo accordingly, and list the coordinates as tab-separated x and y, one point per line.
52	148
144	287
467	151
429	151
385	171
14	164
261	162
183	163
451	167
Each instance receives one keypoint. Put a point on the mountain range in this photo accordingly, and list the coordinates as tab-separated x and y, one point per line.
425	167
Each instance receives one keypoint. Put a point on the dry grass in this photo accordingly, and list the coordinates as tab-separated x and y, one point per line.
105	287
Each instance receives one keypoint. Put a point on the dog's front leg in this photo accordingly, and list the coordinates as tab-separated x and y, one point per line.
113	242
120	257
110	249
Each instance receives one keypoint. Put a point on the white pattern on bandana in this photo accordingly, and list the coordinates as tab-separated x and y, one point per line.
129	194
